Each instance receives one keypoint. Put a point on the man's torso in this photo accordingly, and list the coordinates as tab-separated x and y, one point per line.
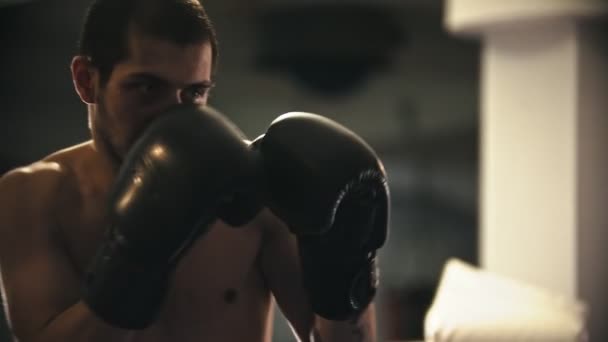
217	291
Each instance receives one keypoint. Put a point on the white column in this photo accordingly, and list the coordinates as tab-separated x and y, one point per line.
592	175
528	157
544	143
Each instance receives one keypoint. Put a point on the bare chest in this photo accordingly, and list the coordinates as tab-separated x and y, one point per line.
217	283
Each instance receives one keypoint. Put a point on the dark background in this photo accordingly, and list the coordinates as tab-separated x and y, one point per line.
386	69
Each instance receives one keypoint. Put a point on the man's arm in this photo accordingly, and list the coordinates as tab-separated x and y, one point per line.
361	328
40	287
282	272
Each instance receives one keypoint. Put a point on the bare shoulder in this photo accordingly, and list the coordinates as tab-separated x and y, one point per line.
31	181
37	191
26	193
42	177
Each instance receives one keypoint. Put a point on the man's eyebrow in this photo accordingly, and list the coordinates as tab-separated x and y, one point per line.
145	76
203	84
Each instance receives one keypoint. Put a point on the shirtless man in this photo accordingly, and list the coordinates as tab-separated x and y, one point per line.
137	59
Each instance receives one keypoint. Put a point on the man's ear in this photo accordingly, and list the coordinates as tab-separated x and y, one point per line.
84	76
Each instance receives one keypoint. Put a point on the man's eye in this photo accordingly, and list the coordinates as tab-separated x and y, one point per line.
144	88
196	94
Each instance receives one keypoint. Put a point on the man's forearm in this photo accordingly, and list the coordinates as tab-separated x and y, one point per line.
77	324
360	329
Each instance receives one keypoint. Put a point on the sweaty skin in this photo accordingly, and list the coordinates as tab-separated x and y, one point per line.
51	223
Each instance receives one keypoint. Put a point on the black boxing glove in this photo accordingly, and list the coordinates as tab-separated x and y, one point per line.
330	188
185	167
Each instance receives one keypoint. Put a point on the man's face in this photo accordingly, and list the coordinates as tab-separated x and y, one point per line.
156	75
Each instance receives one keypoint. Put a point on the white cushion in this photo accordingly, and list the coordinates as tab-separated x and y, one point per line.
475	305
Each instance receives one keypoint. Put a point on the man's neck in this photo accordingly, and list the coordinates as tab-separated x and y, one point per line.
105	163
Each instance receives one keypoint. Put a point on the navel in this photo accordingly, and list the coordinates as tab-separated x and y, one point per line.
230	296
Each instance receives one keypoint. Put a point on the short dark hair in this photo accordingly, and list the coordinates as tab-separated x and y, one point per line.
104	33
